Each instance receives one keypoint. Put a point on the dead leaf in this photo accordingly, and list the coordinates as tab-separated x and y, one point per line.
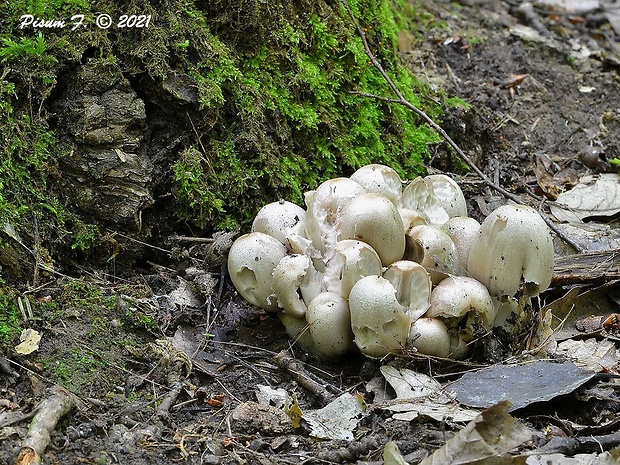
30	340
580	459
270	396
612	12
594	196
490	435
409	384
522	385
392	455
418	394
336	420
292	409
513	80
590	354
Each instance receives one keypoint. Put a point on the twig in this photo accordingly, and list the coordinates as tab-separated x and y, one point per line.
169	399
299	373
50	411
403	101
200	240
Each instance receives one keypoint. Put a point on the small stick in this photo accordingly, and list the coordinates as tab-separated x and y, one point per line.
50	411
200	240
170	398
299	373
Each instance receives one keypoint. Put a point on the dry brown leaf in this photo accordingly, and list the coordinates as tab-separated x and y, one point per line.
492	434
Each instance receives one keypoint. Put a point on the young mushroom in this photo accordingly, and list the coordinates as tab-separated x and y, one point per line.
380	179
464	304
419	196
352	261
251	261
513	248
330	324
449	193
434	250
380	323
295	282
326	206
430	337
463	230
413	286
298	331
277	218
374	219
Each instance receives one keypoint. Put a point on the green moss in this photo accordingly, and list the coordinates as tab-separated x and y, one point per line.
74	369
292	113
137	319
10	319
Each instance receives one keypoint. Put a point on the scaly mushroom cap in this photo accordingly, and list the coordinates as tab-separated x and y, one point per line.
374	219
459	299
430	336
380	179
251	261
352	261
277	218
379	322
513	246
330	324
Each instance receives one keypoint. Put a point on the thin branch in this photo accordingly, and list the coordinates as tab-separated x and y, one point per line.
403	101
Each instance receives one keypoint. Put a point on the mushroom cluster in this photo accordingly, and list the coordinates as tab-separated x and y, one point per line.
380	266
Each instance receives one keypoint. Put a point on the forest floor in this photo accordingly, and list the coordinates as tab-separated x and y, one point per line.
169	366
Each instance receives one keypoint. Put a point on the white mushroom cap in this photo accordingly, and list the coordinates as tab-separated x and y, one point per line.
277	218
330	324
413	286
411	218
430	336
513	246
251	261
325	207
374	219
457	298
380	179
463	230
420	196
293	277
434	250
449	194
352	261
379	322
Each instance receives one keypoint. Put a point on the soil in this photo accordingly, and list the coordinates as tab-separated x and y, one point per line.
542	111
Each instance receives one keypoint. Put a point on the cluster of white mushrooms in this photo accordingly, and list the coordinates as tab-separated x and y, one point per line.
381	267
